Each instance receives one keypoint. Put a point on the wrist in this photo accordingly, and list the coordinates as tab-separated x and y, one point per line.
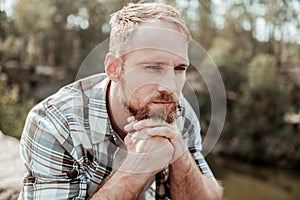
182	160
147	163
180	149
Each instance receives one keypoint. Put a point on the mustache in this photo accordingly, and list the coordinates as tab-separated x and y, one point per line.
169	115
163	97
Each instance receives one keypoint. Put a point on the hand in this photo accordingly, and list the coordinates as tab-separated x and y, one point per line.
159	128
145	154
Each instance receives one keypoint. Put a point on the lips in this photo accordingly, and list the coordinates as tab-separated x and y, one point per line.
163	102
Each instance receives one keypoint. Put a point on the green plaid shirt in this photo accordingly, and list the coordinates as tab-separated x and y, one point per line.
68	145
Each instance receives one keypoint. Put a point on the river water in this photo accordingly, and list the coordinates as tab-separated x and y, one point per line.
247	182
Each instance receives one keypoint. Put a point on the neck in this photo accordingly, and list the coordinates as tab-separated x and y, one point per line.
116	111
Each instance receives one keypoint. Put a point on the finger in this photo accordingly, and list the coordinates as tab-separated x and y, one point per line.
130	119
148	123
140	135
129	127
127	139
166	132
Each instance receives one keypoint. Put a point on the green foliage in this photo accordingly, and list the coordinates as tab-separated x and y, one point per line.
258	128
221	51
10	48
260	108
13	110
232	62
32	16
262	73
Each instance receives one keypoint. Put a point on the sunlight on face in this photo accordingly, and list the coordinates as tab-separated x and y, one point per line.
154	73
151	83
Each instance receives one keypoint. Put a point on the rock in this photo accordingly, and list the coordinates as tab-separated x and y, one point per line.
10	168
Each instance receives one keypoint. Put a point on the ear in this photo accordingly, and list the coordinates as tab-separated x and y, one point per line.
112	67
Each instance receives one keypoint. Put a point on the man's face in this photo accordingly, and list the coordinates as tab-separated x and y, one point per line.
154	69
151	83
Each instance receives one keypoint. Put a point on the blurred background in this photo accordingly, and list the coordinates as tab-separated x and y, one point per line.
254	43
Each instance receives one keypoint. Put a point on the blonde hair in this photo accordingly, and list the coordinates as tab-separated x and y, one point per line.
124	22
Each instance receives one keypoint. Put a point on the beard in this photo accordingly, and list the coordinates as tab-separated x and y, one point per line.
147	111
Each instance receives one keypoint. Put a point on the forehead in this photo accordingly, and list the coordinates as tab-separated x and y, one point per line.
154	56
159	38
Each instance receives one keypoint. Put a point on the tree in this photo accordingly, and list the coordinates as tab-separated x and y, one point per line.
31	17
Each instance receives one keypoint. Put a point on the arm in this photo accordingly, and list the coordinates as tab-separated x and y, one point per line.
145	157
50	171
122	185
187	182
190	179
186	179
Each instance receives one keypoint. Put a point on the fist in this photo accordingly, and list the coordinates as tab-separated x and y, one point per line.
159	128
152	145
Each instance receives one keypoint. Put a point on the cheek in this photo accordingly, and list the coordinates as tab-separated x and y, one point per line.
120	93
180	84
137	89
141	95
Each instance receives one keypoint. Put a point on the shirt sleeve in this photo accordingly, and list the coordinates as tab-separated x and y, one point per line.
192	138
50	171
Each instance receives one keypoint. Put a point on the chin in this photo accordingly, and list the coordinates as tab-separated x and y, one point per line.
168	115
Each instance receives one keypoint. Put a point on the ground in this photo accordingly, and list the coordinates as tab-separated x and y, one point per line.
10	168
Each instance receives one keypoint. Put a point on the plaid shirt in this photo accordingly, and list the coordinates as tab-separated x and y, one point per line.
68	145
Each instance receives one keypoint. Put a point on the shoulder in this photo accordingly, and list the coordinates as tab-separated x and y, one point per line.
75	93
70	101
63	115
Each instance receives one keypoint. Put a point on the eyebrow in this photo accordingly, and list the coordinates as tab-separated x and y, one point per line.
161	63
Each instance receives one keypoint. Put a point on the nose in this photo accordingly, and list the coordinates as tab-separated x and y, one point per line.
167	83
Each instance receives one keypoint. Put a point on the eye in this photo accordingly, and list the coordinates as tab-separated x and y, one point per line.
180	68
154	67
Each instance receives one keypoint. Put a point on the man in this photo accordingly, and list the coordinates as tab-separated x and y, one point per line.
126	133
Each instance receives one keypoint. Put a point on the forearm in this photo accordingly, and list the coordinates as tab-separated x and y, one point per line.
187	182
146	155
121	186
